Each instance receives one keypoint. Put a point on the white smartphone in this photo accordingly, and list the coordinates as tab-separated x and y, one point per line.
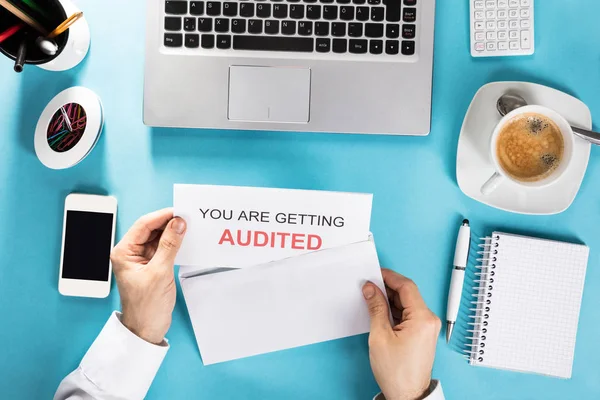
87	240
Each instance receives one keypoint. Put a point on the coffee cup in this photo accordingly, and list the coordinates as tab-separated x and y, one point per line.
557	163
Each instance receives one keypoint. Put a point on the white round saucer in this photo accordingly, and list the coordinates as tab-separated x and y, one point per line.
473	160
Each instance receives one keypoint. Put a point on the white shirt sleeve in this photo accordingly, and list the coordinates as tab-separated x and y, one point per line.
118	365
435	392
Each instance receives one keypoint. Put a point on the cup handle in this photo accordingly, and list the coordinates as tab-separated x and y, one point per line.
492	184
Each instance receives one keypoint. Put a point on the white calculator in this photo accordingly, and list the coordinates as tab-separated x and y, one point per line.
502	28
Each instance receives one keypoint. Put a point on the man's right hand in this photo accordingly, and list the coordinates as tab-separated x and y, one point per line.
401	355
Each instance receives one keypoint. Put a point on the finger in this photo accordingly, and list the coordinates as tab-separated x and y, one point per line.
141	231
169	243
378	307
408	292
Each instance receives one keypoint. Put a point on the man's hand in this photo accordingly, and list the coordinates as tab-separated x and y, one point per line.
401	355
143	264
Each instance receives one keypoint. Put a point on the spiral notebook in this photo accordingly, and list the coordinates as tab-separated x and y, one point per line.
528	295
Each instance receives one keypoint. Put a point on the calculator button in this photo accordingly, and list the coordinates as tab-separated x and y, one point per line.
479	26
479	5
525	13
513	24
525	40
502	3
492	36
513	3
490	14
491	25
502	24
502	14
503	46
513	13
490	4
491	46
479	15
514	45
525	24
514	34
479	46
502	35
525	3
479	36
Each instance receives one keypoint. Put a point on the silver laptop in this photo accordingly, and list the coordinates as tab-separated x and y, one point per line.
355	66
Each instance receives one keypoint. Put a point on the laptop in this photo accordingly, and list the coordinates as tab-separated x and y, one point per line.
348	66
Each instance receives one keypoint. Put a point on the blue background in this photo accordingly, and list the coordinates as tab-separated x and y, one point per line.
417	209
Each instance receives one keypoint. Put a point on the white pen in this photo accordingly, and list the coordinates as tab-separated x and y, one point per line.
461	255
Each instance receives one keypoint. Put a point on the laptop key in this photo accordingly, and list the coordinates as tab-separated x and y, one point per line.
343	1
223	42
274	43
338	29
288	27
408	47
392	31
221	25
263	10
359	1
377	13
176	7
362	13
392	12
355	29
375	2
173	39
230	9
330	12
409	31
205	24
327	1
197	7
247	10
272	27
347	13
340	45
189	24
280	10
322	28
192	40
313	12
373	30
410	15
172	23
213	8
297	11
358	46
410	2
207	41
323	45
391	47
376	47
305	28
255	26
238	25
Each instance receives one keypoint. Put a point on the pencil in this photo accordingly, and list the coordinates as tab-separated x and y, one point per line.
65	25
23	17
9	32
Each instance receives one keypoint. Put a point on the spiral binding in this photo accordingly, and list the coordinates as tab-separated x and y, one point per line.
482	304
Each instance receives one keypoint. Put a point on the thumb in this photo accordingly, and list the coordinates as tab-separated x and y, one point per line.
170	242
378	307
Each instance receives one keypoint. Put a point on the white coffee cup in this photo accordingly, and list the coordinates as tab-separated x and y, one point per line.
500	175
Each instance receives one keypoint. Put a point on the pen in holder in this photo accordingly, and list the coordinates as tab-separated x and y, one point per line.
25	41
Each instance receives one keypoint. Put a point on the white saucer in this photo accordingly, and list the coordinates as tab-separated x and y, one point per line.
474	166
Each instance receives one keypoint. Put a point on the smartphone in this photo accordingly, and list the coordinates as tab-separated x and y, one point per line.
87	240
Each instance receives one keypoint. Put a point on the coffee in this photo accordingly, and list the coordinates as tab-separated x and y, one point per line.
530	147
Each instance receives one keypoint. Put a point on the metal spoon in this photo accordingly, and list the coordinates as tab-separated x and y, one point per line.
509	102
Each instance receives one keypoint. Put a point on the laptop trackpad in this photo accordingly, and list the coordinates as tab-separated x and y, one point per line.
269	94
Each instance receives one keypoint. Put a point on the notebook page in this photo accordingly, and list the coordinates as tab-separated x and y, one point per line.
534	310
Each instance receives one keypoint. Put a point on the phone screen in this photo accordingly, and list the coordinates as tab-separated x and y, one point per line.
88	242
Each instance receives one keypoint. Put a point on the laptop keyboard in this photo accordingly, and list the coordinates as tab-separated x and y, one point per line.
382	28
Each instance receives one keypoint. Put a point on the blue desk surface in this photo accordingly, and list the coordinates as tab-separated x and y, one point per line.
417	209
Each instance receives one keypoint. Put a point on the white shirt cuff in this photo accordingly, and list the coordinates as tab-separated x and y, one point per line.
121	363
435	392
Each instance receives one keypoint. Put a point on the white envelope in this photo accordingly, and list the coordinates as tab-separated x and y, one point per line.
293	302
